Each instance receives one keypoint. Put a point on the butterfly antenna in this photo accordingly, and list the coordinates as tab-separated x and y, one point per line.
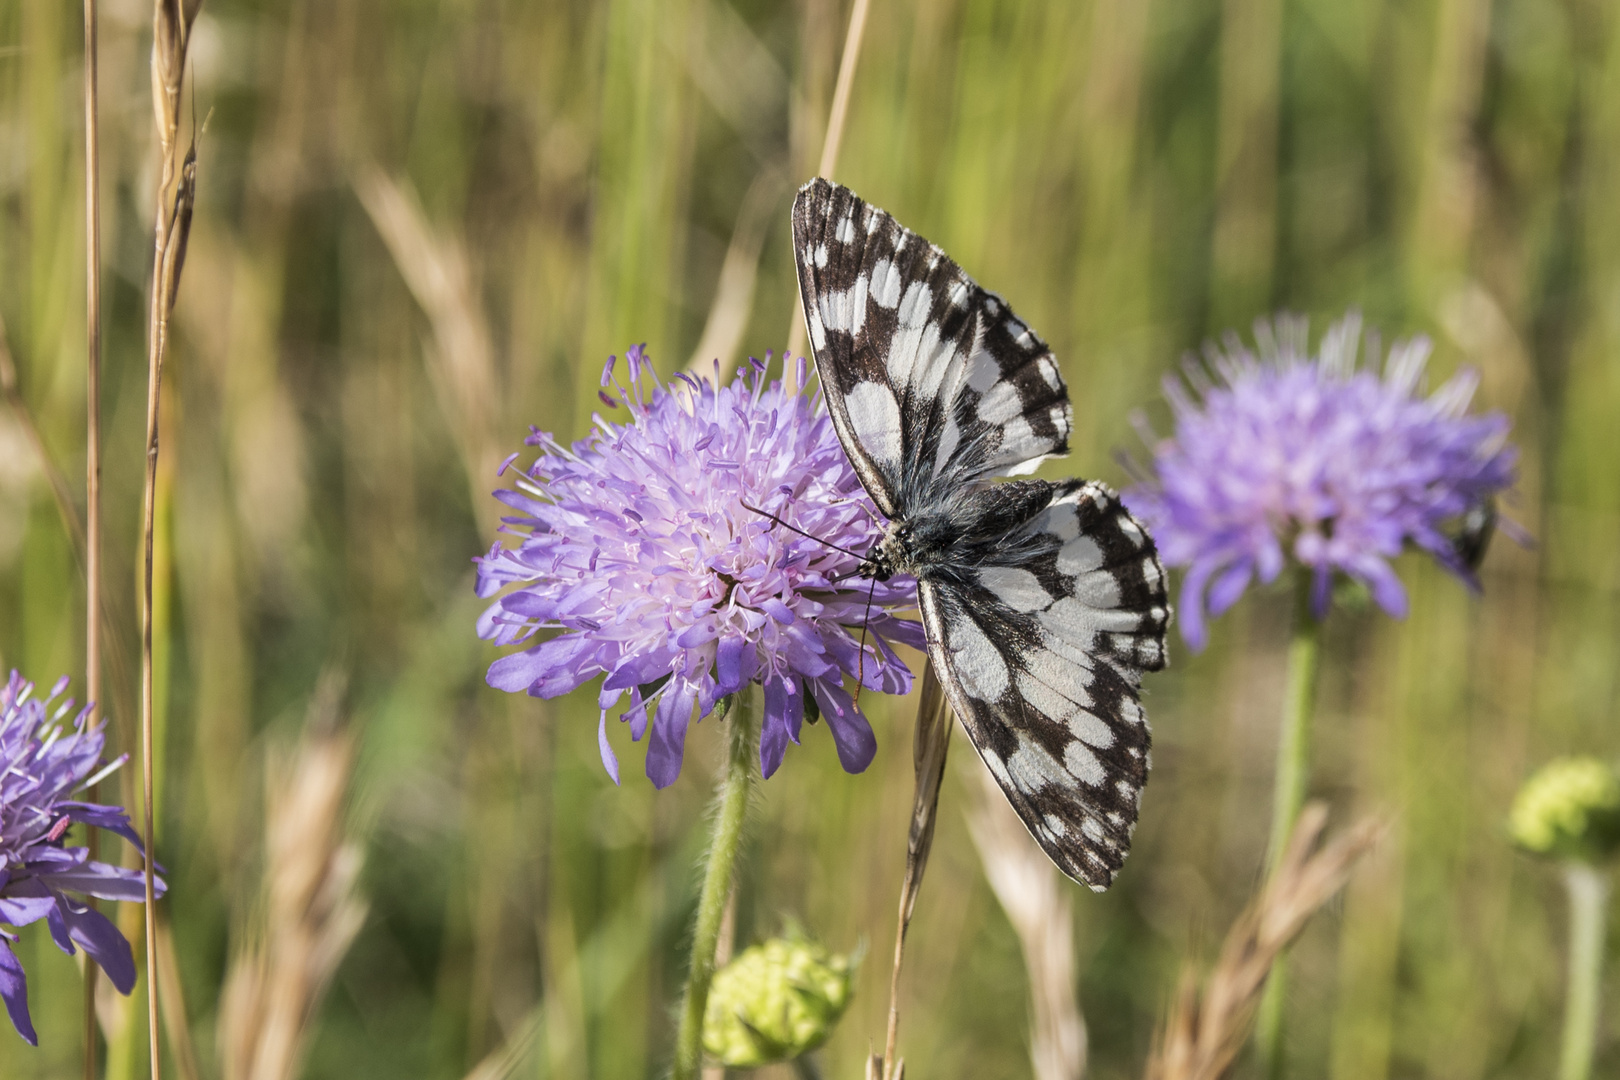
860	666
801	532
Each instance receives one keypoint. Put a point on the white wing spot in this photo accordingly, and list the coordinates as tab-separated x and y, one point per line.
979	666
885	284
1083	764
874	220
1050	703
998	769
1090	730
821	255
1063	419
1075	652
1018	589
1151	572
915	304
846	230
1017	329
1020	443
982	371
1055	825
1094	831
845	310
1034	768
1061	521
876	418
1071	621
1099	588
1080	555
1049	372
960	294
1000	404
1063	675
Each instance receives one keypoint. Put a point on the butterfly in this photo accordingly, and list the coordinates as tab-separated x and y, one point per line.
1043	603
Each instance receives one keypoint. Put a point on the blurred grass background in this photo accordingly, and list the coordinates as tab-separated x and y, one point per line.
423	224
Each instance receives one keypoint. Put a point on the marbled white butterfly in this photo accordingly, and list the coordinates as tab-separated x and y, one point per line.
1043	603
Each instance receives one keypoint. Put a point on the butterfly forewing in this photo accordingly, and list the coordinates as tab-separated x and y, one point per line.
1044	603
932	381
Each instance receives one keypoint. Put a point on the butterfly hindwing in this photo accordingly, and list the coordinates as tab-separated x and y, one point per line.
1042	655
932	381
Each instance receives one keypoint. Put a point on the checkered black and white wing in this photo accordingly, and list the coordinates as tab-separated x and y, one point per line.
931	381
1041	649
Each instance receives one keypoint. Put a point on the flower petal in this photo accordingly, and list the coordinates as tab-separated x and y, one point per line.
106	946
548	670
668	745
610	760
14	989
1229	587
852	735
22	910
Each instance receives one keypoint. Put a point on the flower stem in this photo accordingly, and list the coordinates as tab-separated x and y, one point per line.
1588	908
1288	795
722	858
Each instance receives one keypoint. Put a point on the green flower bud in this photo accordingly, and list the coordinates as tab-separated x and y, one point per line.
775	1002
1570	809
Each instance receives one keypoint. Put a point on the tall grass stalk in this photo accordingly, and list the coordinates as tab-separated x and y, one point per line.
930	742
176	194
830	145
1292	780
92	460
718	867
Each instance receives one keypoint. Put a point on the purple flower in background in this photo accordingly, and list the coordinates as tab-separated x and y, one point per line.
1338	466
41	765
637	547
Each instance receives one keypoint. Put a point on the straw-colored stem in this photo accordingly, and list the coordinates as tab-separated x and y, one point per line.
834	138
930	744
1292	779
717	874
148	519
92	460
1588	911
171	28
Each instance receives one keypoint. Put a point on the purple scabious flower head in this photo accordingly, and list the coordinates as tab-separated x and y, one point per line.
42	764
1318	458
640	562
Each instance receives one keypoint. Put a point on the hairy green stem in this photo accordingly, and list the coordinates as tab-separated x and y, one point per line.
1288	795
1588	911
717	872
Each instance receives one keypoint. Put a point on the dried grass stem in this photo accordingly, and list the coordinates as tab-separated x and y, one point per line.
1206	1032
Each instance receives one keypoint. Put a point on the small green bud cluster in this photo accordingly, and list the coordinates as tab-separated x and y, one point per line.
775	1002
1569	809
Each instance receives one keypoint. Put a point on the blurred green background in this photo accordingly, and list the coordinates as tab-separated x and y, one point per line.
423	224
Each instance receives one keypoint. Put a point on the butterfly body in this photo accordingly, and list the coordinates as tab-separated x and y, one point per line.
1043	602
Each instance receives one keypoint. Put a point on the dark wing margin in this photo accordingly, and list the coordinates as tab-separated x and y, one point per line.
1042	653
932	382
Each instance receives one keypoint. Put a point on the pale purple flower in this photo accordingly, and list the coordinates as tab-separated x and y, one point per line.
1338	466
639	562
42	764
